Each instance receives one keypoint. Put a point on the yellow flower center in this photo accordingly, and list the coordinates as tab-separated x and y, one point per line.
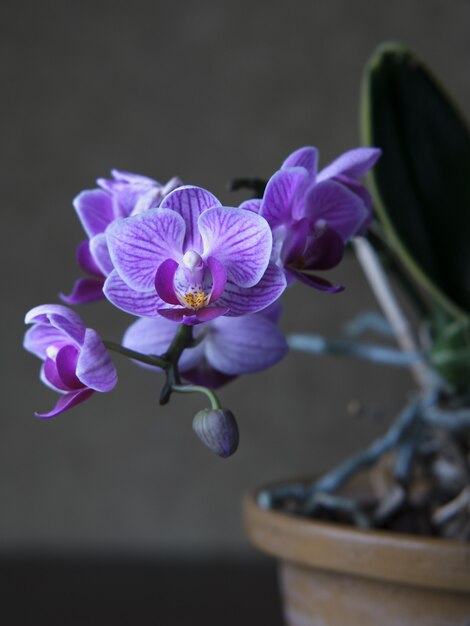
195	299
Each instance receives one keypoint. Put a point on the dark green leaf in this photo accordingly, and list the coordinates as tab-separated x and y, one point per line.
421	185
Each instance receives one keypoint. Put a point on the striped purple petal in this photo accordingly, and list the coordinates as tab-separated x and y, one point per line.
67	402
164	281
219	278
303	157
190	202
95	210
59	317
314	281
204	374
126	189
353	164
100	253
94	366
142	304
284	194
50	376
40	336
84	291
85	258
241	301
253	205
243	345
341	209
153	336
139	244
324	251
240	240
66	363
179	314
294	241
210	313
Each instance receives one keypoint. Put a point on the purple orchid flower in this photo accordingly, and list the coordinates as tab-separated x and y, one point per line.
313	215
75	361
123	195
227	346
192	260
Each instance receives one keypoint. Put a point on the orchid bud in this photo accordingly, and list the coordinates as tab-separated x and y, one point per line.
218	430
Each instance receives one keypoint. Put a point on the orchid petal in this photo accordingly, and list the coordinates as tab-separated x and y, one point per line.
210	313
84	291
179	314
154	336
190	202
85	259
207	376
219	278
238	239
149	200
353	163
356	188
337	206
273	312
253	205
303	157
142	304
100	253
40	336
284	193
243	345
241	301
95	368
164	281
66	362
129	177
60	317
50	376
67	402
139	244
315	281
126	190
294	241
325	251
95	210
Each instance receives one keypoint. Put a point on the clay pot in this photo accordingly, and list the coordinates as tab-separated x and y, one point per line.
336	575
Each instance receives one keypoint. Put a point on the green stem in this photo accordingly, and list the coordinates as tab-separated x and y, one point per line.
150	359
183	339
215	402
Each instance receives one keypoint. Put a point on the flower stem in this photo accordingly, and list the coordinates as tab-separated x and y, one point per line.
215	402
149	359
182	340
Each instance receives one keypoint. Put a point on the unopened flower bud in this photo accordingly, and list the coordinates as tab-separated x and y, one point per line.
218	430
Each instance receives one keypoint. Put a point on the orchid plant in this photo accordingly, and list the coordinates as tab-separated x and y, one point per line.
205	282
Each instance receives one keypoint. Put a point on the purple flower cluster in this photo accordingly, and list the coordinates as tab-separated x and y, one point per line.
226	346
314	214
75	361
191	260
173	254
123	195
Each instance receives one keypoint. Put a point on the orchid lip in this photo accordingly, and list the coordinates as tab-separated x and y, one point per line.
193	281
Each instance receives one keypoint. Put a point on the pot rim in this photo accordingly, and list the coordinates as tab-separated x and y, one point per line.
427	562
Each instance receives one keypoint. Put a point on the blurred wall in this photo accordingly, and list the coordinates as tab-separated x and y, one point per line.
207	91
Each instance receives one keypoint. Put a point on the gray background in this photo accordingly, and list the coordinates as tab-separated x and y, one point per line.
207	91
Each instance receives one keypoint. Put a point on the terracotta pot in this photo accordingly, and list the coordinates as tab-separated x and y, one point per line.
336	575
